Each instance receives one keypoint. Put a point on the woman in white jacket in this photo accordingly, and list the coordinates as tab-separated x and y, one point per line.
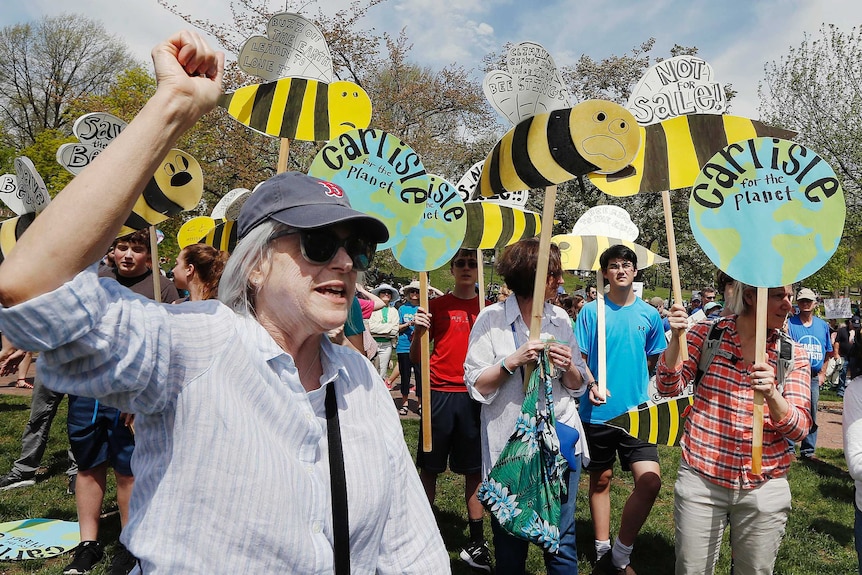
853	436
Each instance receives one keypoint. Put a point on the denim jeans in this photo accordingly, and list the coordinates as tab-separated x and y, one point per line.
510	552
842	378
810	442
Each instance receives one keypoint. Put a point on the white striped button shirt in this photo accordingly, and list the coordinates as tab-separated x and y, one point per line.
230	463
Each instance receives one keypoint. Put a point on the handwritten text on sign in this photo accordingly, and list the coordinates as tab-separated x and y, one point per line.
675	87
439	234
381	175
769	212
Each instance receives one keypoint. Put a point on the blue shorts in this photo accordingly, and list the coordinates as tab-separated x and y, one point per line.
97	435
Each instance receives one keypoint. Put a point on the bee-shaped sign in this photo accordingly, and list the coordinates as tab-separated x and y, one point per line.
300	109
552	148
674	150
491	225
222	237
177	185
24	192
301	101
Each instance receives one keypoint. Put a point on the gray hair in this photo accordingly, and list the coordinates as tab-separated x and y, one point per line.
251	253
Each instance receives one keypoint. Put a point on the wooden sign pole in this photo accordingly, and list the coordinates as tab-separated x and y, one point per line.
759	357
481	279
154	261
600	329
283	153
674	266
425	368
541	272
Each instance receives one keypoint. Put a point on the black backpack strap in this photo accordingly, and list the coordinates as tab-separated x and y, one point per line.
709	350
785	360
340	524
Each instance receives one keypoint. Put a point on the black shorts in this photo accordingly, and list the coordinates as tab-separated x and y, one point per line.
455	435
606	442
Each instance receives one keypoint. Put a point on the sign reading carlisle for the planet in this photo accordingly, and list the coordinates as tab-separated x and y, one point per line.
767	211
439	233
381	175
37	538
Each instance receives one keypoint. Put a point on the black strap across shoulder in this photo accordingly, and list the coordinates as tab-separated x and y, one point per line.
340	524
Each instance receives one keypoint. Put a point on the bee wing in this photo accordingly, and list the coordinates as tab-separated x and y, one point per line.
499	89
9	194
31	188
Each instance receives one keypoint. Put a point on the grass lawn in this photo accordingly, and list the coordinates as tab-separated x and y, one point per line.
819	538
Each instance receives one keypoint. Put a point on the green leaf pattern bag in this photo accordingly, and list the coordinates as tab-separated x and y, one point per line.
525	486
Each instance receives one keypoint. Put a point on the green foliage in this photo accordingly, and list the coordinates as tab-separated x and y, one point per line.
48	64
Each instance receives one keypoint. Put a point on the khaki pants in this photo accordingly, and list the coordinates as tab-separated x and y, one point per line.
701	511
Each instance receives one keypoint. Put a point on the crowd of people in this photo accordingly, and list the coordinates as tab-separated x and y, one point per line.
260	383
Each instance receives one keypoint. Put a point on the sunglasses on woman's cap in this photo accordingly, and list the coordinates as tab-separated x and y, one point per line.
320	246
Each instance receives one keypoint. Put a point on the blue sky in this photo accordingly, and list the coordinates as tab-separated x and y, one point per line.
737	37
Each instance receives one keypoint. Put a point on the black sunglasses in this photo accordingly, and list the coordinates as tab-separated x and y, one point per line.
320	246
472	264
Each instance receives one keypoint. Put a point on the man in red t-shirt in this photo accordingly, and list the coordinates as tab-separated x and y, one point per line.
455	424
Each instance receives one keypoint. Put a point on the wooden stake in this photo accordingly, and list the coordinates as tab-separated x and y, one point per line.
154	261
674	266
425	368
600	328
759	357
541	272
283	153
481	279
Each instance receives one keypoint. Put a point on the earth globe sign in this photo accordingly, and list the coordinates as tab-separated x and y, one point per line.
440	232
766	211
381	175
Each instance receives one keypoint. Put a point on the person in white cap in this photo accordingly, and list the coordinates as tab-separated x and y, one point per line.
383	325
256	437
812	333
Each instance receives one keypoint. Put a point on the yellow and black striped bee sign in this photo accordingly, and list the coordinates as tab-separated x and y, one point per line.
222	237
583	252
659	423
491	225
552	148
674	151
11	230
176	186
300	109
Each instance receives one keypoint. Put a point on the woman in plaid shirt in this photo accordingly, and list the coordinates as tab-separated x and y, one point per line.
715	481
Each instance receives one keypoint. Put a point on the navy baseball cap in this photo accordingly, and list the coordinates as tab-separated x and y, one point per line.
304	202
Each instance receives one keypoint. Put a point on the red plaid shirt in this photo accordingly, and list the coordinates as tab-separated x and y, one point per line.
718	429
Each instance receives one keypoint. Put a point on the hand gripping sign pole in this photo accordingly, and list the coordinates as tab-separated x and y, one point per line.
444	220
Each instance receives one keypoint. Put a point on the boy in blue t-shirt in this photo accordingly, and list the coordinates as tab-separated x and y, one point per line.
635	338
